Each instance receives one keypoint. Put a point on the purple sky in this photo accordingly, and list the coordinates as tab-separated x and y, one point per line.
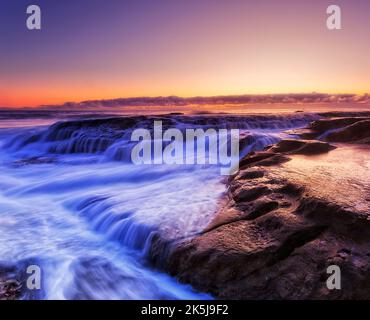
99	49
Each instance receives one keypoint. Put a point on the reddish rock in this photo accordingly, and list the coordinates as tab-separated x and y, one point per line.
358	132
334	123
310	147
288	217
10	289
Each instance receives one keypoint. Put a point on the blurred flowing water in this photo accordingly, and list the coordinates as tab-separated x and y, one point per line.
71	200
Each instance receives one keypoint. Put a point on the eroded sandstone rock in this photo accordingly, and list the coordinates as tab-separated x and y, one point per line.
292	211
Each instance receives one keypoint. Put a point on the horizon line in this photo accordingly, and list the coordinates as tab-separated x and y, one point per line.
164	100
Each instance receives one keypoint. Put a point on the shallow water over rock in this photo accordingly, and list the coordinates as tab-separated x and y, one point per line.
88	217
341	176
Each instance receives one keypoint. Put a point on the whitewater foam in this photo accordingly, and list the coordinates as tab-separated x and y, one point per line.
88	216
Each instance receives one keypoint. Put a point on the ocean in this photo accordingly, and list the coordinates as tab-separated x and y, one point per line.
72	203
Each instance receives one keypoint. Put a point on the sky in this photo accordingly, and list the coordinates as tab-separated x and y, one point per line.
100	49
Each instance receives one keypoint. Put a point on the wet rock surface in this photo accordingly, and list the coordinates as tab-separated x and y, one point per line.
9	289
33	161
13	281
290	212
354	129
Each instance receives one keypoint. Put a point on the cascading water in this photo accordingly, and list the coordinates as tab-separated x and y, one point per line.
71	200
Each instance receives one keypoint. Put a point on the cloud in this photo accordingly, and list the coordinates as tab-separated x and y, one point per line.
216	100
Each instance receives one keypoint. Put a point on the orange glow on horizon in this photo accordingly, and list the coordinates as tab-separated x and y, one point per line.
185	49
36	98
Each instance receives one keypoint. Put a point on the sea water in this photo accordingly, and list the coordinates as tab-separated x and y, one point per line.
86	215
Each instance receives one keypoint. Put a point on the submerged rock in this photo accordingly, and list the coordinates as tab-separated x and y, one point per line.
290	146
33	160
354	129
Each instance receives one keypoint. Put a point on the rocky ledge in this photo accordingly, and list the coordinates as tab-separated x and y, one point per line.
11	285
13	278
291	211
